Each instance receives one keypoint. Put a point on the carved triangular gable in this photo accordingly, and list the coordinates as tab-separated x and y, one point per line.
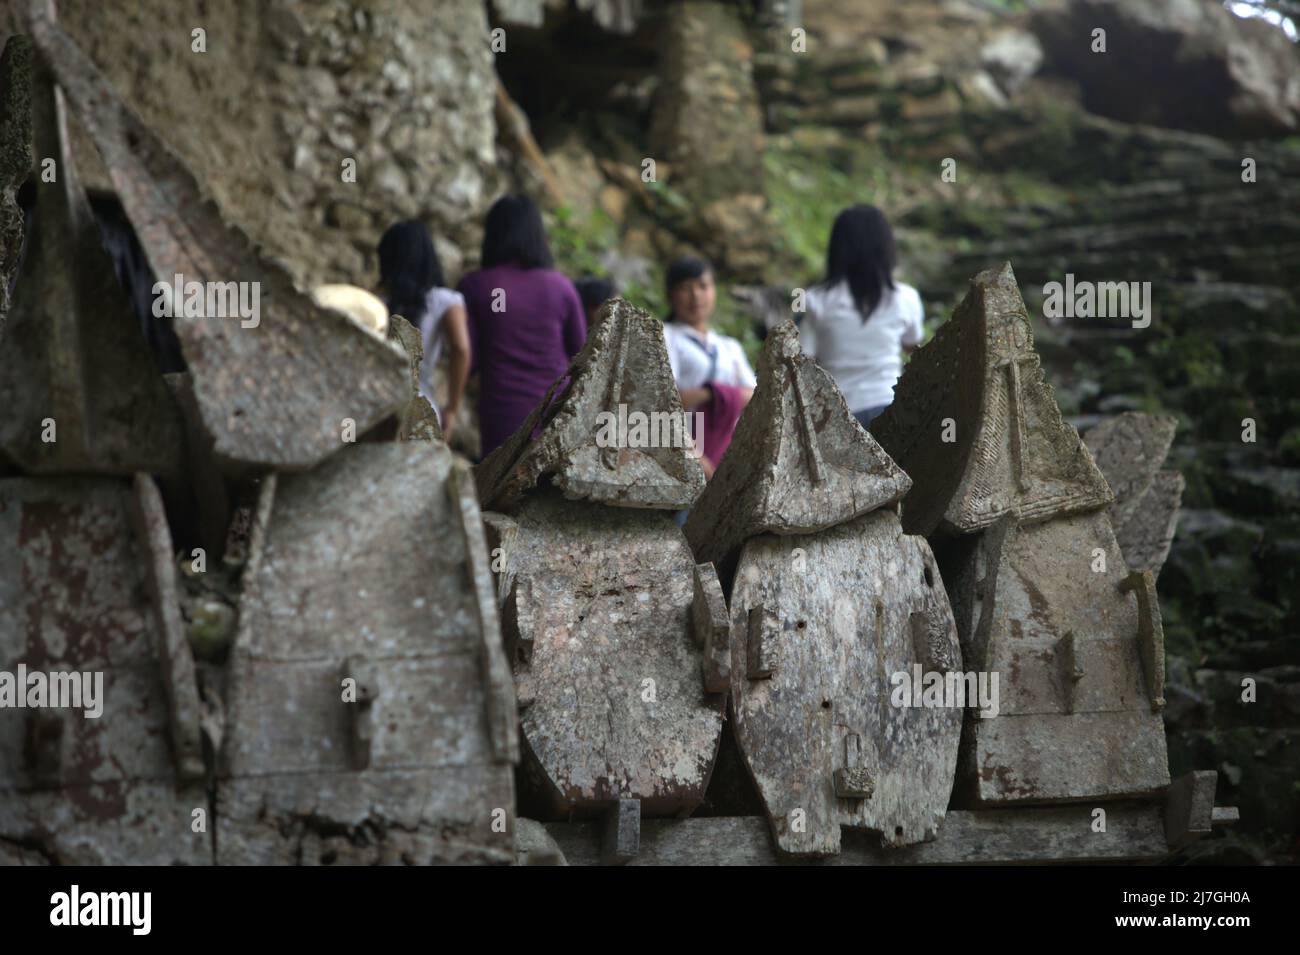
799	461
79	388
275	394
621	377
976	424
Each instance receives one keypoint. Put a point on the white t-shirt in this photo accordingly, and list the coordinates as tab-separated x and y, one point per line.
864	359
436	304
698	360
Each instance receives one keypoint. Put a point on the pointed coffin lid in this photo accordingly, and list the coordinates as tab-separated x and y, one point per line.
71	353
621	374
274	395
799	461
1012	453
1130	449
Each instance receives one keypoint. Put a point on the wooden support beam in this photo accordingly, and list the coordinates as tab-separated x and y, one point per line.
1134	832
620	838
1190	812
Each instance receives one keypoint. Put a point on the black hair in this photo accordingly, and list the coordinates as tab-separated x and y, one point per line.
594	291
861	252
514	235
408	269
683	270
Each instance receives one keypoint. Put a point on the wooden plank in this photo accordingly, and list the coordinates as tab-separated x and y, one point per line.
112	822
613	700
836	616
416	817
174	657
290	717
72	353
272	391
1134	832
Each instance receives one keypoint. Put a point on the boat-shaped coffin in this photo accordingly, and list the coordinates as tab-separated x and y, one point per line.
837	619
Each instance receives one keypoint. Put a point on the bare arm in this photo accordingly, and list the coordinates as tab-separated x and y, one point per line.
455	327
694	397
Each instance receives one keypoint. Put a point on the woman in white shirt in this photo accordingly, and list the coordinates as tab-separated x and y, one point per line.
411	283
711	370
859	319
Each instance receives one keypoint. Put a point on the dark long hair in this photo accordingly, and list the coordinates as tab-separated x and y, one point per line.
514	235
408	269
682	270
861	252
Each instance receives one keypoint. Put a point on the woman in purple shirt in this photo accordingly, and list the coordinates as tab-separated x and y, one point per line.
525	319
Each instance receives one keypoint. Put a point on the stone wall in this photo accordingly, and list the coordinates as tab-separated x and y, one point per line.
286	92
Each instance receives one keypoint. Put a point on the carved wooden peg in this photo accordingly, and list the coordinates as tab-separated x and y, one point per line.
621	838
366	683
712	627
1151	633
1189	808
762	642
854	780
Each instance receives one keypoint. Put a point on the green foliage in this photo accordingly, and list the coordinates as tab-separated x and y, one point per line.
577	245
805	196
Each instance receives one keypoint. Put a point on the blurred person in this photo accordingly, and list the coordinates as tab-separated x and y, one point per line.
711	370
859	319
594	292
526	321
411	284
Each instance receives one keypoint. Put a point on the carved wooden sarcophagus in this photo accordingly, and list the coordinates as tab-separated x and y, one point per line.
370	716
599	588
101	758
1017	512
834	613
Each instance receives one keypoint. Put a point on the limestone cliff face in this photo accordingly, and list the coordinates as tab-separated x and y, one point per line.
286	92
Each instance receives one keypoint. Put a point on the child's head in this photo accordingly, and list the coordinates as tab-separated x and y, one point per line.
594	292
691	292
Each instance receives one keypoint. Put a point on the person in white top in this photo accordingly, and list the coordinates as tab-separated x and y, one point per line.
411	284
701	358
859	319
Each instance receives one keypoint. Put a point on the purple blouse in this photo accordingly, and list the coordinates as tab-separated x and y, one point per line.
522	347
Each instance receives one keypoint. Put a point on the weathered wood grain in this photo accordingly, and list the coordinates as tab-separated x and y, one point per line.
622	369
72	353
613	701
798	462
1134	832
1077	715
111	823
1130	450
175	660
842	610
274	395
15	155
73	600
371	567
1011	452
461	815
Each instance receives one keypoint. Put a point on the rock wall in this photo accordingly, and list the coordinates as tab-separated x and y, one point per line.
286	92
